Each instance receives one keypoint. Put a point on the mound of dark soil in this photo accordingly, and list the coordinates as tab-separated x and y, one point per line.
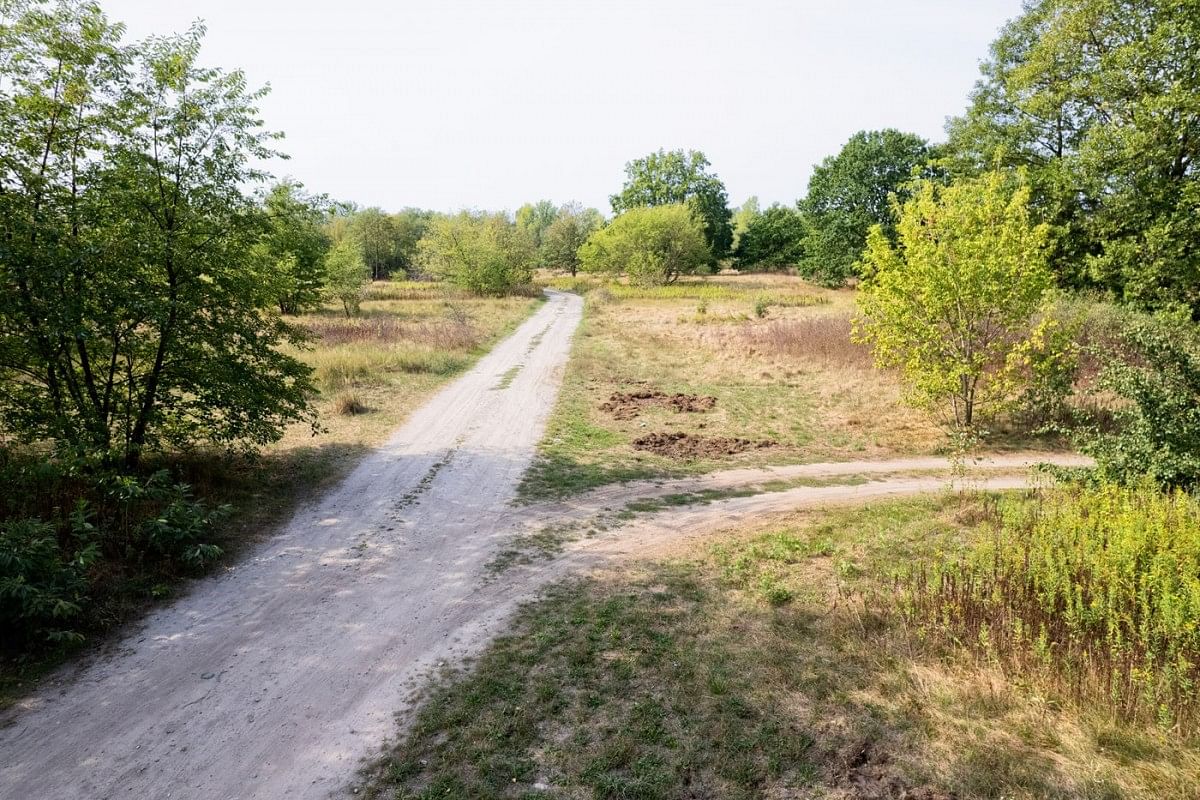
627	405
689	445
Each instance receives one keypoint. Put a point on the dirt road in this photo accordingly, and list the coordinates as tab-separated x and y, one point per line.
278	677
275	679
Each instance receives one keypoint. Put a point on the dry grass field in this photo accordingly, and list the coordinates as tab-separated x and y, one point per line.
772	350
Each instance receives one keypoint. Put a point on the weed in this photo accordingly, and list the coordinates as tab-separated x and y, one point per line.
349	404
507	378
1095	591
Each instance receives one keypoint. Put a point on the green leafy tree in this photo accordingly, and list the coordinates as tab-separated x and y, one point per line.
535	218
133	310
347	273
294	246
566	234
1101	100
651	245
850	192
378	238
951	305
1155	370
742	218
772	239
486	254
675	176
410	225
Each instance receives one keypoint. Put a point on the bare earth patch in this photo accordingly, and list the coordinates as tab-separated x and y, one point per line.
627	405
689	445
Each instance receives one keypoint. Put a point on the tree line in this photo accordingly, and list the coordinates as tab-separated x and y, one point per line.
148	281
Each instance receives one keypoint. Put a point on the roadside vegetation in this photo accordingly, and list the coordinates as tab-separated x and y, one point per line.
1024	284
804	655
188	348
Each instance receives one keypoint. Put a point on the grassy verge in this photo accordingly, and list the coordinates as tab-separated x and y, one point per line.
372	371
763	665
790	379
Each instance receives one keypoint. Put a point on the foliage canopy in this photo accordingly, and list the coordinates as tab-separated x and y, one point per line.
951	304
134	311
676	176
652	245
851	192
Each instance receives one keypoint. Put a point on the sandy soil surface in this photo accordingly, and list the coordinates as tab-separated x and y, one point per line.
274	679
280	676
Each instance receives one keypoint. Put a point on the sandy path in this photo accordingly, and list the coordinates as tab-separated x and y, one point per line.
278	677
275	678
615	496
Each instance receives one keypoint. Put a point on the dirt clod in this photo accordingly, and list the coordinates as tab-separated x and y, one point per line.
689	445
627	405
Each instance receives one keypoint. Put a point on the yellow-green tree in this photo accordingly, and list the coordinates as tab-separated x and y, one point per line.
952	303
486	254
650	245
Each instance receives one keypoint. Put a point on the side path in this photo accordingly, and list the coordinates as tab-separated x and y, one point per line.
276	678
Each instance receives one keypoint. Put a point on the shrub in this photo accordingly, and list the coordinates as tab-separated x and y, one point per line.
773	239
485	254
952	304
652	245
180	531
1094	590
1046	364
347	273
348	404
1155	370
42	586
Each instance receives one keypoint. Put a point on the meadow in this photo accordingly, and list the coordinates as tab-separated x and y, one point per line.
784	658
773	351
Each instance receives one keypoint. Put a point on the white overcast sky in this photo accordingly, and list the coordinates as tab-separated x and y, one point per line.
447	104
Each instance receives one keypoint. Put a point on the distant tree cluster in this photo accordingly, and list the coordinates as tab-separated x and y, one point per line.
678	177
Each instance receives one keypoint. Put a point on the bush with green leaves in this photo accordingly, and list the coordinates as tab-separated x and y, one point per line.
678	177
1155	372
772	239
43	585
183	529
73	540
347	274
564	236
651	245
485	254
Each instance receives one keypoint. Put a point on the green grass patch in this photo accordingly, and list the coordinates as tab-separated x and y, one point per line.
770	664
508	377
606	694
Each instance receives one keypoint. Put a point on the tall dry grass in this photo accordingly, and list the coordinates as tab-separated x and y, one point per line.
454	334
825	339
